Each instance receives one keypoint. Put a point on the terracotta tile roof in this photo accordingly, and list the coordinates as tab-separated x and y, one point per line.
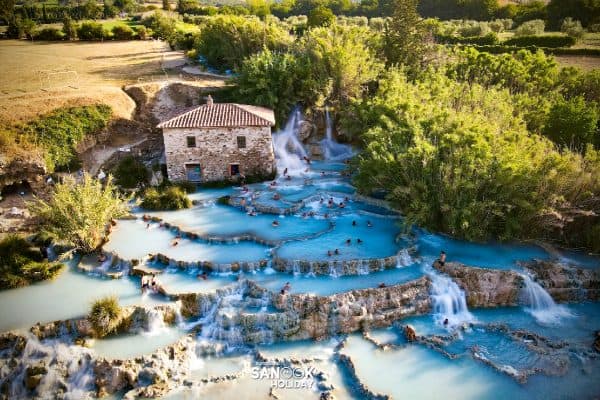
219	115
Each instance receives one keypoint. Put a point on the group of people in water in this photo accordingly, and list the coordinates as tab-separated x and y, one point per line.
150	283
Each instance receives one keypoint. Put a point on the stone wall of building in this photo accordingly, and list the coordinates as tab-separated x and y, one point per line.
216	149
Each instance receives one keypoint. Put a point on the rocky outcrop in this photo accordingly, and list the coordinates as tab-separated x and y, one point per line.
566	283
320	316
148	376
484	287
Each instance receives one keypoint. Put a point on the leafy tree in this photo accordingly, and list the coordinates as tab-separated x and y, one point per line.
166	5
69	28
586	11
320	16
260	8
573	123
404	35
79	212
91	9
6	9
109	10
163	26
131	173
226	40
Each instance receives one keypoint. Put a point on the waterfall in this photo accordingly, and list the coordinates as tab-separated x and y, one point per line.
331	149
540	304
156	324
289	151
449	301
68	368
403	259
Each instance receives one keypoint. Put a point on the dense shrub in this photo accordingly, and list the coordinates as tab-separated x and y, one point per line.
572	28
21	263
170	198
79	212
122	32
91	31
105	315
131	173
60	131
530	28
573	123
540	41
464	163
320	16
49	34
226	40
500	49
162	26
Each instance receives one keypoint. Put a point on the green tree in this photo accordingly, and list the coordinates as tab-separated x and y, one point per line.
70	28
573	123
166	5
260	8
404	35
320	16
79	213
7	9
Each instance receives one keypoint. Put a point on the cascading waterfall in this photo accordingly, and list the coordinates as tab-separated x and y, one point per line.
69	369
540	304
449	301
156	324
289	152
404	259
333	150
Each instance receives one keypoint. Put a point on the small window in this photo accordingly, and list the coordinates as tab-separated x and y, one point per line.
191	141
234	169
241	142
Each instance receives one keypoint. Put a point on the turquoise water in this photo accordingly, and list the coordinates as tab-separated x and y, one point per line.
414	371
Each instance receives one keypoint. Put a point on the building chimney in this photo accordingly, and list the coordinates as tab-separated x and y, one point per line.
209	100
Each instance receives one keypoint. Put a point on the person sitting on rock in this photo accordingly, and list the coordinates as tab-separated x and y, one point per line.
287	287
382	285
154	283
144	284
275	223
101	257
203	276
442	259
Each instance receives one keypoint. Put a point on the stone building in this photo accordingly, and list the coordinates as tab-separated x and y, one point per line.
219	141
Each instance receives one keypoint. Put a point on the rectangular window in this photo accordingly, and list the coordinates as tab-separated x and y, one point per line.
234	169
241	142
191	141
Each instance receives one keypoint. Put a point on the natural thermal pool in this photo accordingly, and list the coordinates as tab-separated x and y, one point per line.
239	324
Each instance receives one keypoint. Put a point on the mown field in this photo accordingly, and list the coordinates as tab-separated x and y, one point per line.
41	76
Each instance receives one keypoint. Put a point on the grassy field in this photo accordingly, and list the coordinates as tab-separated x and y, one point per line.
40	76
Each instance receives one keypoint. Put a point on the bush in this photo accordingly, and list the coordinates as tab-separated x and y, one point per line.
131	173
141	32
21	263
91	31
488	39
320	16
501	49
572	28
49	34
105	315
573	124
530	28
123	32
187	186
541	41
171	198
78	214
